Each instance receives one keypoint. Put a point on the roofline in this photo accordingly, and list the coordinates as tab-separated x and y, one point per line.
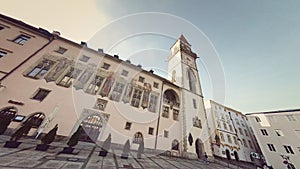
227	108
276	111
49	35
40	31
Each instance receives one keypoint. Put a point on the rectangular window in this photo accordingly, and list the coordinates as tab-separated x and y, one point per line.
150	130
230	128
141	79
155	85
225	125
166	134
241	131
235	140
175	114
117	91
67	80
136	97
288	149
250	144
222	137
61	50
165	112
246	132
84	58
245	143
153	103
278	132
194	104
41	69
229	138
237	121
124	73
95	85
2	54
290	117
271	147
105	66
128	126
264	132
257	119
41	94
21	39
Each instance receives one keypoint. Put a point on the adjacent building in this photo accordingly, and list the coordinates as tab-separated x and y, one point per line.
47	80
231	134
278	135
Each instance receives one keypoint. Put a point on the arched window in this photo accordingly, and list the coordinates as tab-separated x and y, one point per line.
192	80
91	126
35	120
138	138
9	112
171	98
175	145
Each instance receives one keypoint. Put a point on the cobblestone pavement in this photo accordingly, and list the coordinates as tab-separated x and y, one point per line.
25	156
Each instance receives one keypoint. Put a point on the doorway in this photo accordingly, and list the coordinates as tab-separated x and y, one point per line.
199	147
91	126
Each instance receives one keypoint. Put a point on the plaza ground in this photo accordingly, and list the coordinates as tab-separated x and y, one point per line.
25	156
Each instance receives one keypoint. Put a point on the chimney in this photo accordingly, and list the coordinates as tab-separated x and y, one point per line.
100	50
56	33
151	71
83	44
116	56
140	66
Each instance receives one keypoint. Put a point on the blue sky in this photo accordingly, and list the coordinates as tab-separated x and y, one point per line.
257	41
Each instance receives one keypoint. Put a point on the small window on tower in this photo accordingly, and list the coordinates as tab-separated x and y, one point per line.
194	103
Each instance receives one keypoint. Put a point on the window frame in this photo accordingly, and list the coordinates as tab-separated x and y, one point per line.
288	149
61	50
38	91
141	79
150	130
128	125
21	39
271	147
2	54
84	58
105	66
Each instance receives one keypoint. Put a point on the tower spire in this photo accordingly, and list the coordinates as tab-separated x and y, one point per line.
183	39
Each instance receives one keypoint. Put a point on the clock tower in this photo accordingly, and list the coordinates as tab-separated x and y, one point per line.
182	71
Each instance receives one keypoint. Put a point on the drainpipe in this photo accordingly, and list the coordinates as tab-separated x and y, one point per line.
159	112
51	38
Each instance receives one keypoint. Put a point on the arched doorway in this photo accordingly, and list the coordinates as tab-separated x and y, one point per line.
7	114
175	145
138	138
199	147
33	121
236	156
91	126
228	154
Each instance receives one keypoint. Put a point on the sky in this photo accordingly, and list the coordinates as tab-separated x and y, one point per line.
248	49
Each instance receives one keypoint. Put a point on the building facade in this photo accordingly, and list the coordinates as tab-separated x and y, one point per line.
57	81
230	131
278	135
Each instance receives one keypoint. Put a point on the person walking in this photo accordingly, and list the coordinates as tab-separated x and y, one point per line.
205	158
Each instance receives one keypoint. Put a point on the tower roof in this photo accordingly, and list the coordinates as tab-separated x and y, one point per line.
182	38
